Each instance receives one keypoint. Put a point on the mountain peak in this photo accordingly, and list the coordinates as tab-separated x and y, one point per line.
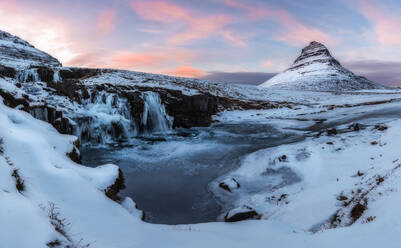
316	69
18	53
314	52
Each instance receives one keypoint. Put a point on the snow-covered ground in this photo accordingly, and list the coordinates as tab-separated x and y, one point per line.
336	173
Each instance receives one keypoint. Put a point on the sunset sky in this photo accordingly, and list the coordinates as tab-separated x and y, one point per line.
232	40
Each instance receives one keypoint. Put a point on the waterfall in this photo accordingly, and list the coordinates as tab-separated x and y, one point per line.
106	119
56	75
154	116
28	75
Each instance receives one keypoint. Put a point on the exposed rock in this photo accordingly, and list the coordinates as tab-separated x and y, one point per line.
357	211
75	155
229	184
381	127
68	88
45	74
239	214
79	73
332	132
12	102
113	190
282	158
7	71
190	111
63	125
355	127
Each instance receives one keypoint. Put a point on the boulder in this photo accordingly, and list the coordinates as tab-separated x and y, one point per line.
241	213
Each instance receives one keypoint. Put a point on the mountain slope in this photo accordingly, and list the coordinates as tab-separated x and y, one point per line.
17	53
316	69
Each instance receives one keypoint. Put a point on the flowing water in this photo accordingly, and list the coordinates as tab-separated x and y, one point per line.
168	175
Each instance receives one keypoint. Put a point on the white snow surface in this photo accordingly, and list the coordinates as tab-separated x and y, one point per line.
19	54
300	219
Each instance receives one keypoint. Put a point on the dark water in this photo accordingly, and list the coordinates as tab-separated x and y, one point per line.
168	175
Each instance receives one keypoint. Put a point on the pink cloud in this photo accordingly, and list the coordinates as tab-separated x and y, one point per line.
267	63
186	71
196	27
293	31
387	25
106	22
251	11
296	32
154	61
129	60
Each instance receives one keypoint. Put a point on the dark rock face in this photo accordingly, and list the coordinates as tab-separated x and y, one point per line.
43	112
190	111
113	190
68	88
332	132
63	125
7	71
12	102
75	156
45	74
79	73
136	102
247	213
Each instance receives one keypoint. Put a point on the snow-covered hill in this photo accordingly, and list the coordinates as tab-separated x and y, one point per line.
18	53
316	69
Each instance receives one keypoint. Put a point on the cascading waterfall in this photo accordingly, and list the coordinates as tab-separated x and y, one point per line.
56	75
105	120
28	75
154	116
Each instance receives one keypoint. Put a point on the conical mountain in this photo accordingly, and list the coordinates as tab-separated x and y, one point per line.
316	69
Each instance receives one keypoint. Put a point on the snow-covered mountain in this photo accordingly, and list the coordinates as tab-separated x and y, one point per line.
316	69
15	52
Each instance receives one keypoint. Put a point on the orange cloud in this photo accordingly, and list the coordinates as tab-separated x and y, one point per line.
196	27
186	71
128	60
106	22
387	25
294	32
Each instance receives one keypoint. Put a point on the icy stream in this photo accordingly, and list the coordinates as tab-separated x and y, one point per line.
168	176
